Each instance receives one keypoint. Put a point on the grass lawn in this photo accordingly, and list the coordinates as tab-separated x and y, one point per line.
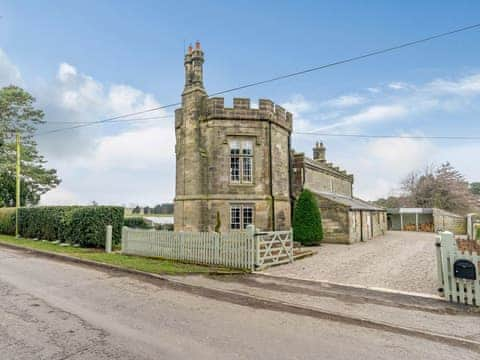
152	265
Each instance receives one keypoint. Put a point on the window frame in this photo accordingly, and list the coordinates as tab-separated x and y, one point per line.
242	225
242	158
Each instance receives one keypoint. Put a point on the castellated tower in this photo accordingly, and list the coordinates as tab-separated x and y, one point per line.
232	164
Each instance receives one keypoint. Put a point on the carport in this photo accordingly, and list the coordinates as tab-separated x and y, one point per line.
418	219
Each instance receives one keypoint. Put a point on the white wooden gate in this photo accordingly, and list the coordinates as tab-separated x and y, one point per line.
453	288
273	248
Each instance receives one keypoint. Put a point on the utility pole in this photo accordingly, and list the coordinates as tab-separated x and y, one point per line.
17	202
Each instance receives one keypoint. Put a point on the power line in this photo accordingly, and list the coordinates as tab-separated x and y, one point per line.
285	76
112	121
414	137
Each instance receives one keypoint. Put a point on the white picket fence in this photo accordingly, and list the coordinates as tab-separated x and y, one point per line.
243	250
454	288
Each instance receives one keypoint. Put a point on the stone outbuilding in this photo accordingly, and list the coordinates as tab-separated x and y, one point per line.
346	219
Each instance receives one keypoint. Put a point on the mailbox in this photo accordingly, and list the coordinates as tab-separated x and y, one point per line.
464	269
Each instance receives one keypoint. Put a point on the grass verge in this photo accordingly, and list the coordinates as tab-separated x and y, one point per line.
151	265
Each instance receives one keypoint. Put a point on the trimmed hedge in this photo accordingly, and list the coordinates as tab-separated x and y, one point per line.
137	222
307	221
7	221
44	222
88	225
83	225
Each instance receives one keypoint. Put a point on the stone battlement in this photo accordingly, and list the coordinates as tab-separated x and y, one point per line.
267	110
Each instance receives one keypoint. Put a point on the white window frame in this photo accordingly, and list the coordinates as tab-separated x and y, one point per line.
242	224
244	156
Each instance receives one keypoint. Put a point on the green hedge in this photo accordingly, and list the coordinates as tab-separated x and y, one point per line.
45	222
307	221
137	222
83	225
7	221
88	225
478	234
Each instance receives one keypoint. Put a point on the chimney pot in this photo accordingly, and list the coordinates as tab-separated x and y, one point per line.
319	152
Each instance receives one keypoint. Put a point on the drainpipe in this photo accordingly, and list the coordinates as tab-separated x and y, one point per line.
361	225
271	172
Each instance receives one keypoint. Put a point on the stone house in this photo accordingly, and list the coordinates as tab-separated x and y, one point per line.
232	164
235	167
346	219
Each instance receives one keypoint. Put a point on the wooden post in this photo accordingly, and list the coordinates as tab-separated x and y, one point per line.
251	236
440	275
108	240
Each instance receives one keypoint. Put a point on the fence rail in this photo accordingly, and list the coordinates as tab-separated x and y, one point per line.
243	250
460	284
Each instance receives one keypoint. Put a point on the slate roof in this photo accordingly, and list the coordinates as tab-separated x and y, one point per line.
352	202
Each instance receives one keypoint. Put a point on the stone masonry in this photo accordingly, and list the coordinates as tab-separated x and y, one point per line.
204	129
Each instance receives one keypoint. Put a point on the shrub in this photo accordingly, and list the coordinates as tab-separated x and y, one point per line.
137	222
7	221
44	222
307	222
88	225
478	234
84	225
218	224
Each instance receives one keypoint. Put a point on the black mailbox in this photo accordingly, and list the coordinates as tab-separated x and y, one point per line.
464	269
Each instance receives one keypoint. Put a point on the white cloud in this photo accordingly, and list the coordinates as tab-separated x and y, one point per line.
127	162
398	85
376	113
298	105
145	148
345	101
66	72
9	73
59	196
469	85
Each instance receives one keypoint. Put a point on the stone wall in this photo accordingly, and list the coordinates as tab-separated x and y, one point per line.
319	176
335	221
444	221
363	229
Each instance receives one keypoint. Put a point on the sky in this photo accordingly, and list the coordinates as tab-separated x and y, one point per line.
89	60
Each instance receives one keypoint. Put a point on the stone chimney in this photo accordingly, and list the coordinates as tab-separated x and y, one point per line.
194	60
319	152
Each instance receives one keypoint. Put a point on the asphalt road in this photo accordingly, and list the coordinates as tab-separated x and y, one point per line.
54	310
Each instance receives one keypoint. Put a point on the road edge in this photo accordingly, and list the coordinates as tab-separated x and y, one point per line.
255	301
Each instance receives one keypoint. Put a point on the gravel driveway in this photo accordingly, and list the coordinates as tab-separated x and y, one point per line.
399	260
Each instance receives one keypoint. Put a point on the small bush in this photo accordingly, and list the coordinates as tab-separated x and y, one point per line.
7	221
478	234
137	222
307	222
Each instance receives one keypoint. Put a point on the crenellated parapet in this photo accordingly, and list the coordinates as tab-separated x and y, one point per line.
267	111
